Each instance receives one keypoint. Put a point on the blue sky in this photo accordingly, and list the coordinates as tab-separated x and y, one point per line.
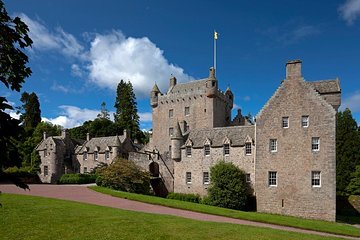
82	49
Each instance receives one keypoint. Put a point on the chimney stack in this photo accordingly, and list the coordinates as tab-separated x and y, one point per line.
125	133
293	69
64	133
87	137
44	135
212	73
172	81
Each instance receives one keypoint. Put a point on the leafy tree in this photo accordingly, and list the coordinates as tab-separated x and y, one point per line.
354	186
100	127
124	175
14	39
126	116
228	187
104	114
31	115
347	149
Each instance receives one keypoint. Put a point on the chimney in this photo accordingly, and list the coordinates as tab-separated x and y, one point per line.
64	133
293	69
87	137
212	73
125	133
172	81
136	141
44	135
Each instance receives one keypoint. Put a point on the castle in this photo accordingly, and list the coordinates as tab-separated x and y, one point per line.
288	153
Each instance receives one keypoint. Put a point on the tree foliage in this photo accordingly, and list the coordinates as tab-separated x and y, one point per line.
100	127
31	113
354	186
126	116
14	39
347	149
124	175
104	113
228	187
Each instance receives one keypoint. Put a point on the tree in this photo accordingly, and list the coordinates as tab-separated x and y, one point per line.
100	127
354	186
126	116
347	149
31	115
104	114
228	187
14	39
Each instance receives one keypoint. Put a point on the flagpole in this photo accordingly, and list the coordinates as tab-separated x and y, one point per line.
215	37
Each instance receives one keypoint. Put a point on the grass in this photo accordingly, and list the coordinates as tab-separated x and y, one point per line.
322	226
29	217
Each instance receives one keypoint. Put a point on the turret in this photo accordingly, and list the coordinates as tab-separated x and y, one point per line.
176	143
211	84
229	96
154	96
172	82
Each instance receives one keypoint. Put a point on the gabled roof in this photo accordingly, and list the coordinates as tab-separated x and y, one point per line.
189	86
237	136
326	86
101	143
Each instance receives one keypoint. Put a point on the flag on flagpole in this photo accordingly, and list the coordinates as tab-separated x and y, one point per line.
215	35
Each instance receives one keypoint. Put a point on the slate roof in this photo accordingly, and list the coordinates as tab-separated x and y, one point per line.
189	86
237	136
326	86
101	143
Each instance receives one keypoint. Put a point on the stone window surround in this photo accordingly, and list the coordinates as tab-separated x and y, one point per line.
46	170
226	148
315	144
315	178
285	122
248	150
85	156
273	145
206	178
96	155
207	150
107	155
305	121
272	179
248	177
171	132
188	151
188	177
171	113
187	111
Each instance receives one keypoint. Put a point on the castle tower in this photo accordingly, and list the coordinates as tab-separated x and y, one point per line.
176	142
154	95
230	96
211	84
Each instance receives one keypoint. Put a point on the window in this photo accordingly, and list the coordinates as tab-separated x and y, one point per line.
96	155
285	122
85	170
188	177
187	111
46	170
186	127
248	177
305	121
207	150
273	145
315	144
315	179
188	151
107	155
206	179
248	148
226	149
171	113
85	156
272	179
45	152
171	132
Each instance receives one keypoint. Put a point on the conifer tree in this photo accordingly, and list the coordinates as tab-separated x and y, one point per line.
126	116
31	115
347	149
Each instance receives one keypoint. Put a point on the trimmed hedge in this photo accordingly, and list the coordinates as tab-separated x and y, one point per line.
195	198
77	178
24	175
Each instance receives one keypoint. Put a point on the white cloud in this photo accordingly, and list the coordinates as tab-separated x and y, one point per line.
145	117
57	40
114	57
60	88
76	70
246	98
72	116
350	11
352	102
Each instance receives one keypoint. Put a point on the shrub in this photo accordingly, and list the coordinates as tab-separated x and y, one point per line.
228	188
185	197
23	174
124	175
77	178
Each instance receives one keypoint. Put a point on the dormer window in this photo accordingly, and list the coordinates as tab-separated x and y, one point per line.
247	148
96	155
226	149
45	152
207	150
188	151
107	155
85	156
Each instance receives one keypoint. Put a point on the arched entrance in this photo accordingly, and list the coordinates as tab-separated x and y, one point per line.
154	169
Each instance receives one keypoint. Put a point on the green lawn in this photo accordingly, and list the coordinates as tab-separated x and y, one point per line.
29	217
337	228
